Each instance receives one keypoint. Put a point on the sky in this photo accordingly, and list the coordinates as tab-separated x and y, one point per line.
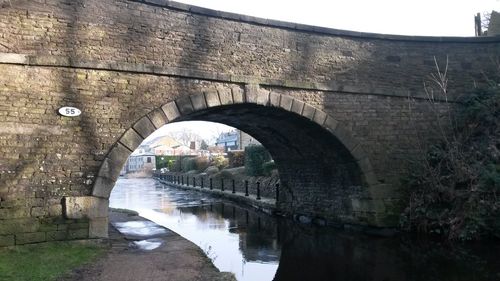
403	17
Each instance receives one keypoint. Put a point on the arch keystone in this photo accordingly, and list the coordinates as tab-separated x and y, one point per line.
251	93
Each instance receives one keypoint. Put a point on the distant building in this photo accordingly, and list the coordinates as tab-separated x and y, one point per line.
229	141
494	25
235	140
493	28
141	160
168	146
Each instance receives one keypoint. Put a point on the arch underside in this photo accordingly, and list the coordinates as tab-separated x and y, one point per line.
323	171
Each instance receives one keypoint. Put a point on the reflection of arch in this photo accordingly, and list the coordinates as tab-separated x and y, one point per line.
183	107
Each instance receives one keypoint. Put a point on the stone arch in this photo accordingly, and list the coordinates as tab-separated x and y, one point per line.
190	107
173	111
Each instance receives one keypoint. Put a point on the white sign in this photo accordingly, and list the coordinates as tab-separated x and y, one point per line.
69	111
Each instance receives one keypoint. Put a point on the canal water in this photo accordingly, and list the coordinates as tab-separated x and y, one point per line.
256	246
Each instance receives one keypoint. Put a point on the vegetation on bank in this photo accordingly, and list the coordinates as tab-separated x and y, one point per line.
255	158
455	187
45	261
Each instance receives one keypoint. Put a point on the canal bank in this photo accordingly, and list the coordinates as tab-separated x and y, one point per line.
266	205
145	251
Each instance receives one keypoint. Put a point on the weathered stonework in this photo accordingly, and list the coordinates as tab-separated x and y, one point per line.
331	106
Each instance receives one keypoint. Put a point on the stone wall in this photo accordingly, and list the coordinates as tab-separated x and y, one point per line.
331	106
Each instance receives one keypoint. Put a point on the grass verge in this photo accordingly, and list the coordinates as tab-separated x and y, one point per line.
46	261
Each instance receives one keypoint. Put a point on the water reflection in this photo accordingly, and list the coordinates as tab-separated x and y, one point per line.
250	244
323	254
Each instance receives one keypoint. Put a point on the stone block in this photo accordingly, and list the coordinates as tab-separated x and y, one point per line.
98	228
158	118
238	95
225	96
286	102
252	92
212	98
184	105
144	127
358	152
55	210
38	212
263	97
330	124
320	117
78	225
171	111
274	99
114	162
85	207
78	234
131	139
308	111
7	240
56	235
28	238
198	102
103	187
14	212
297	106
14	226
46	226
14	58
345	136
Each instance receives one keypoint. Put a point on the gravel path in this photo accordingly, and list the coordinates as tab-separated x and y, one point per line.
173	259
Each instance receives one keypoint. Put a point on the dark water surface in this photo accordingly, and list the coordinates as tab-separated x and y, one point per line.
255	246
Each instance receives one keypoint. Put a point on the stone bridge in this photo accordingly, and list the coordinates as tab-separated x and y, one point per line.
341	112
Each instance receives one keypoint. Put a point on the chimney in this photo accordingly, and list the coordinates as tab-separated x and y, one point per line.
192	145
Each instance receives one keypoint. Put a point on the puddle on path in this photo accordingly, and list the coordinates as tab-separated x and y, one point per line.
139	228
148	244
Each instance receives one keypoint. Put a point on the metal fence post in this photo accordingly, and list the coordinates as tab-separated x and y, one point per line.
258	190
246	188
234	188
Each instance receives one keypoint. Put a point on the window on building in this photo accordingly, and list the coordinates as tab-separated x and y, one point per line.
148	160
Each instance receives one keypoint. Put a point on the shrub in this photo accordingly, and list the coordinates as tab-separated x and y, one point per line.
454	187
188	164
201	163
268	167
211	170
236	158
220	162
255	157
